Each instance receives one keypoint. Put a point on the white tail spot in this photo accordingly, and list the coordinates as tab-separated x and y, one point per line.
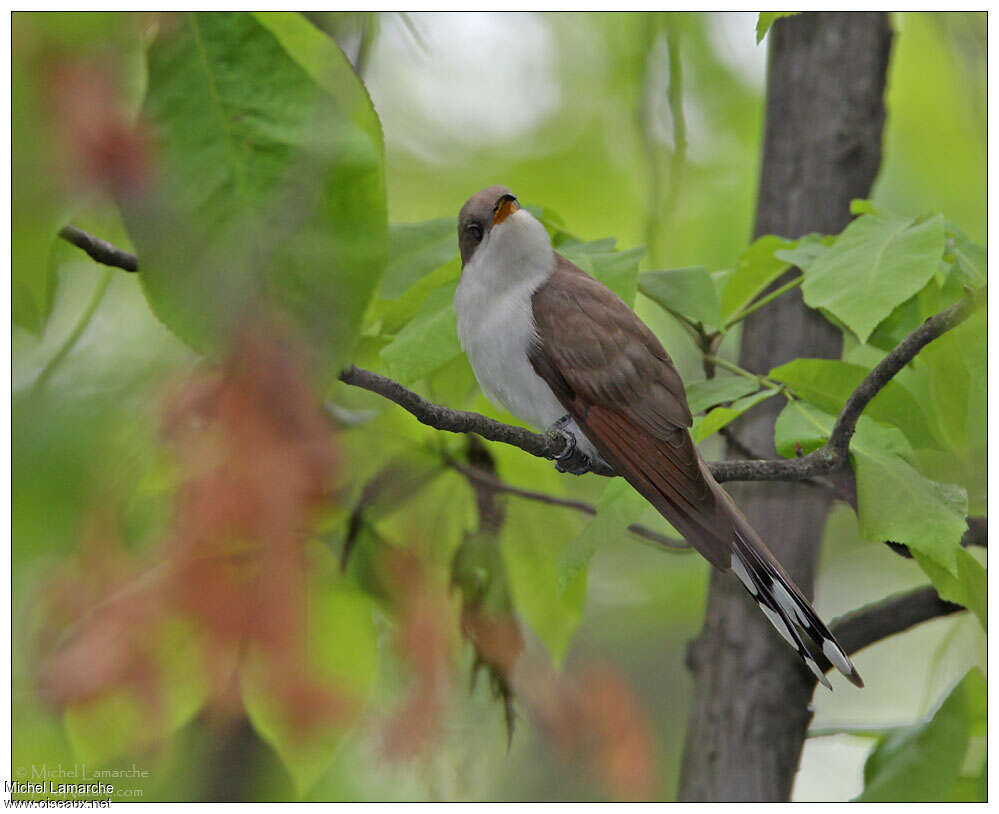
778	623
837	657
790	605
818	673
743	574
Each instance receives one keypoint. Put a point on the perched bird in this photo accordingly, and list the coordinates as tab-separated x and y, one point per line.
561	351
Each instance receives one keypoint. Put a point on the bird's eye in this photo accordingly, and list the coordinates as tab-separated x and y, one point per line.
475	230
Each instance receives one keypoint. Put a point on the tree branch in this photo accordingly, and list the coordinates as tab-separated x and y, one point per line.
830	458
548	445
888	617
896	614
100	250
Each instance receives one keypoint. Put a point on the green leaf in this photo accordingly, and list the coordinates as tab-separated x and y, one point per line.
270	185
616	270
322	59
687	291
532	543
828	383
921	763
807	250
123	722
957	377
934	515
720	416
414	250
758	266
34	216
555	224
32	279
946	287
390	316
342	653
971	789
707	393
800	425
862	206
894	500
894	328
767	19
601	246
969	588
877	263
618	507
427	342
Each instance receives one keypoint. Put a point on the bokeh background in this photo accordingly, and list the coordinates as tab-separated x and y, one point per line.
573	112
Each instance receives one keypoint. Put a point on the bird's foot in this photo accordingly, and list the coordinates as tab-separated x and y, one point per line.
571	459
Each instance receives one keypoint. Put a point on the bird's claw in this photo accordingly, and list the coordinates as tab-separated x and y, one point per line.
570	443
571	459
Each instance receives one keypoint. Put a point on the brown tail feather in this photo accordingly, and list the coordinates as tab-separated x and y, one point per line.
650	465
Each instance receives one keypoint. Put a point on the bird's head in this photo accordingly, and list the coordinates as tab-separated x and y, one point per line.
493	220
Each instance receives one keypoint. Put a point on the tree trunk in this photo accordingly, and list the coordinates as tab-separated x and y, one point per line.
822	148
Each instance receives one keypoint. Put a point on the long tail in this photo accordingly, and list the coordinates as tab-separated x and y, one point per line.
784	604
668	471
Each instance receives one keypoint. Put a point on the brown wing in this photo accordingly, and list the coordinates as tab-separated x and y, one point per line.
617	381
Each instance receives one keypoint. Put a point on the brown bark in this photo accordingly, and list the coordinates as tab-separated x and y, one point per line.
822	148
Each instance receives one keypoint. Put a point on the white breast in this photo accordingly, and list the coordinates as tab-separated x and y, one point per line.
496	320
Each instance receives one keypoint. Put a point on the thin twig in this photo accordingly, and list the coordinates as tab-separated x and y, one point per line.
414	33
368	31
650	144
495	484
675	95
95	300
100	250
887	368
661	206
731	367
756	305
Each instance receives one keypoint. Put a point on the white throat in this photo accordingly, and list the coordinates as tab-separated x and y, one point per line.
496	319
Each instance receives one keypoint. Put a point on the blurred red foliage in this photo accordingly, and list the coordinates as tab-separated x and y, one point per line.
99	143
424	640
604	721
256	458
